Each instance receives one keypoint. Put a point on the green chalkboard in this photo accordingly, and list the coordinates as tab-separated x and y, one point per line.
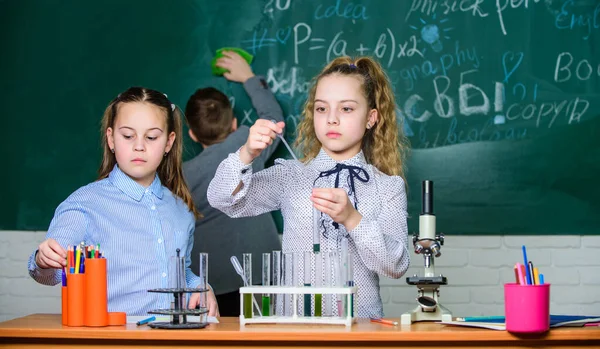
500	99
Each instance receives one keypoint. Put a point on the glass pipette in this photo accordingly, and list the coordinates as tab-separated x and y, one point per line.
285	142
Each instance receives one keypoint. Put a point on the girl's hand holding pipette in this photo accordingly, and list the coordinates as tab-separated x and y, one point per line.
261	135
211	302
51	255
335	203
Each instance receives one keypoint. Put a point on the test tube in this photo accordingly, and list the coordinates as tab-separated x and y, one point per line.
173	281
203	274
278	299
298	280
338	283
182	284
350	278
177	282
316	220
316	233
247	257
344	272
307	282
288	279
318	283
266	281
330	258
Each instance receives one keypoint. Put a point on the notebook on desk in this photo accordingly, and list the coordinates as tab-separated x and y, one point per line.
497	322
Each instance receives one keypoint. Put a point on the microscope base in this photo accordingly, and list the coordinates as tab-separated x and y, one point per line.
440	314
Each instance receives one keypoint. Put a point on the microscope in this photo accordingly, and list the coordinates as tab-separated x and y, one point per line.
427	243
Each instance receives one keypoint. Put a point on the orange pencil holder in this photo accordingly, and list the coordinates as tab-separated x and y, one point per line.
75	299
85	299
96	300
64	304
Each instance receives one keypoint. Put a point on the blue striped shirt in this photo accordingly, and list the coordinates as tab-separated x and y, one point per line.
138	229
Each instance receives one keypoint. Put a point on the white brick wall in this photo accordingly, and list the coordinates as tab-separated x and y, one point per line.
19	294
476	268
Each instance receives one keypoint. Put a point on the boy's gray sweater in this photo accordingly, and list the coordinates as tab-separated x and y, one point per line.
216	233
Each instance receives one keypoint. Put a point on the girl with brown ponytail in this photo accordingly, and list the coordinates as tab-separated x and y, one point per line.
138	214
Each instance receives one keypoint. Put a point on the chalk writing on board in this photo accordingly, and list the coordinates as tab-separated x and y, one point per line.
287	81
445	7
465	58
567	67
457	133
589	19
438	75
346	9
276	5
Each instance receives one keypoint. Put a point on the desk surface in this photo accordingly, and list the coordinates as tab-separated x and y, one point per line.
40	330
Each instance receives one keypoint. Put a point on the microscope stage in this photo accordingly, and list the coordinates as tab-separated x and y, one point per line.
435	280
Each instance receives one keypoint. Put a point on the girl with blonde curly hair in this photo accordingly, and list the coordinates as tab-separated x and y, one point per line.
351	174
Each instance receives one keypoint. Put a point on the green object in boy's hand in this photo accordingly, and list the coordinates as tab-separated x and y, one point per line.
220	71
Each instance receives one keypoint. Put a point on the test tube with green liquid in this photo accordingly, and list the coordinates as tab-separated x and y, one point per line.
316	233
248	276
307	282
266	281
318	283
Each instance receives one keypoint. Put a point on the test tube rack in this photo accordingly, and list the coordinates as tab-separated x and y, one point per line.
178	315
296	292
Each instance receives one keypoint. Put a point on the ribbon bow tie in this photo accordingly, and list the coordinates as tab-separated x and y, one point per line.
354	172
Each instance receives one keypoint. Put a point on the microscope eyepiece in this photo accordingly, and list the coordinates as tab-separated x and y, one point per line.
427	199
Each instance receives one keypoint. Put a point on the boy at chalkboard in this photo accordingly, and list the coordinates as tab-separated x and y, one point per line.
212	124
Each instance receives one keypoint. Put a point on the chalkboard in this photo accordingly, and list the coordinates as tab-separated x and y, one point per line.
500	99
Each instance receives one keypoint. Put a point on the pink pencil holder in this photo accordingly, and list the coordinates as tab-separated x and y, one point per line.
527	308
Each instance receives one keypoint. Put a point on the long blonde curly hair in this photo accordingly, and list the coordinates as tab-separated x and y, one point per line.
384	145
170	169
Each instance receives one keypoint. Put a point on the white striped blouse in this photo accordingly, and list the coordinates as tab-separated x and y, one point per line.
379	241
138	229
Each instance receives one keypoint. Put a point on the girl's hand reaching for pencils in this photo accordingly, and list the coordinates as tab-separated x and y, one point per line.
51	254
261	135
335	203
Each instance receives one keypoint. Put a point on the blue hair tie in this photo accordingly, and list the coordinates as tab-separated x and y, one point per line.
352	65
